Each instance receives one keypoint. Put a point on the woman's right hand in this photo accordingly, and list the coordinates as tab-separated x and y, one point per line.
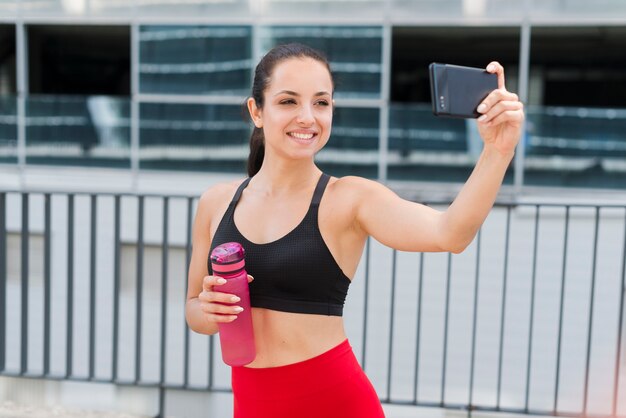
218	306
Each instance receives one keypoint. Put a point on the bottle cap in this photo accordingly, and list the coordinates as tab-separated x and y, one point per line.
227	253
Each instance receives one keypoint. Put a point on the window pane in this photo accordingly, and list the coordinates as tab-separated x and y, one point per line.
8	129
422	146
576	124
353	145
414	48
193	137
582	147
355	54
195	59
8	79
428	148
79	60
73	130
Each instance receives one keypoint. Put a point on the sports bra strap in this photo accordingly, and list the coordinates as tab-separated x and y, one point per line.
319	189
240	190
317	194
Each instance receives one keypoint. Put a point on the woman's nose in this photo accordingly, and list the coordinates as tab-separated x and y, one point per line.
305	115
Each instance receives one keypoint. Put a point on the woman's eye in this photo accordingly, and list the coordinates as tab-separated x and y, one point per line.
323	103
287	101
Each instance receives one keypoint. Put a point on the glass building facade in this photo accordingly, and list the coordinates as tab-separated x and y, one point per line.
160	84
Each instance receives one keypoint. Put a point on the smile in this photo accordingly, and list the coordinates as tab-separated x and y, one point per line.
301	136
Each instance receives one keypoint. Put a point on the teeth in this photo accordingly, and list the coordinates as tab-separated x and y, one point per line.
301	136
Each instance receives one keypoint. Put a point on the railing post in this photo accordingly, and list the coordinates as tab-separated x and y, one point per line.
3	280
24	273
164	283
116	285
139	288
474	326
503	304
591	306
561	306
391	321
92	286
187	260
70	287
47	314
531	321
365	301
619	328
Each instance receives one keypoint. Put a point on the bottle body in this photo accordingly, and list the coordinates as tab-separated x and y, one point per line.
236	337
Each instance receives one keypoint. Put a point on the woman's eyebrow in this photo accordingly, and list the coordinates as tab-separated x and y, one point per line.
293	93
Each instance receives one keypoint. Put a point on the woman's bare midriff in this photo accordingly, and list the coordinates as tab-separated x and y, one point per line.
283	338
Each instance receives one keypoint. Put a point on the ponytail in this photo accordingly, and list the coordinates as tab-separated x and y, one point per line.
257	151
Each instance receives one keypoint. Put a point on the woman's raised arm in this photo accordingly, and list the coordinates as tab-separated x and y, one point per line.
409	226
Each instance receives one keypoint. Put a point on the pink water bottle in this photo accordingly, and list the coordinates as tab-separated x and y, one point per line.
236	337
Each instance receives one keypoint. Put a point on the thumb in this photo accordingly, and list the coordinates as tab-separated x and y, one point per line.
206	283
250	278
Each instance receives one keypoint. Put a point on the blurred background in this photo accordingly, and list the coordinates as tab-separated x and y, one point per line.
110	108
157	85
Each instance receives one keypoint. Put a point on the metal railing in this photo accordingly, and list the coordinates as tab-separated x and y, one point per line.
527	320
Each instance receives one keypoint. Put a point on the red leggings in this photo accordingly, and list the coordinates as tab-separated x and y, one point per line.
331	385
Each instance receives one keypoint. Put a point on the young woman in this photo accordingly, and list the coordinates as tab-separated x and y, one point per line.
304	233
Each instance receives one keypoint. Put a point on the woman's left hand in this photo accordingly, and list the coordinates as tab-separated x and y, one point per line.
500	124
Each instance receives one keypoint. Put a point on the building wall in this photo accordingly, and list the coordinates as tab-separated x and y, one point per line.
159	85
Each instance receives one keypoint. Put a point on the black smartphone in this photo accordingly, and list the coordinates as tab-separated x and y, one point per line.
456	91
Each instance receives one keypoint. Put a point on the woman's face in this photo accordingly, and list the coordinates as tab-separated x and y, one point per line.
297	115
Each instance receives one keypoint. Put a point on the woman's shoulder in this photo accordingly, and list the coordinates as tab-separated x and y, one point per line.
219	194
354	185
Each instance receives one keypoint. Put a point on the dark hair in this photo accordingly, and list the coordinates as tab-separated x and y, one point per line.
262	75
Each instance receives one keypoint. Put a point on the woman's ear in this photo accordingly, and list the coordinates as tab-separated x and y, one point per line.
255	113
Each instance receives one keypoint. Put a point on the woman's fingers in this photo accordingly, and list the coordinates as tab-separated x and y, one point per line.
494	98
209	281
495	67
508	116
220	318
218	306
217	312
217	297
499	108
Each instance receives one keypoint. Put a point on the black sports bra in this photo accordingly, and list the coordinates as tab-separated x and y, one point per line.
296	273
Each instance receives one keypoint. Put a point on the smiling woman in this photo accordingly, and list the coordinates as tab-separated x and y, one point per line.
305	365
304	232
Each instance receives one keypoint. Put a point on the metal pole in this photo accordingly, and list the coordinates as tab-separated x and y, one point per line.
3	280
391	321
383	124
22	92
524	64
134	105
